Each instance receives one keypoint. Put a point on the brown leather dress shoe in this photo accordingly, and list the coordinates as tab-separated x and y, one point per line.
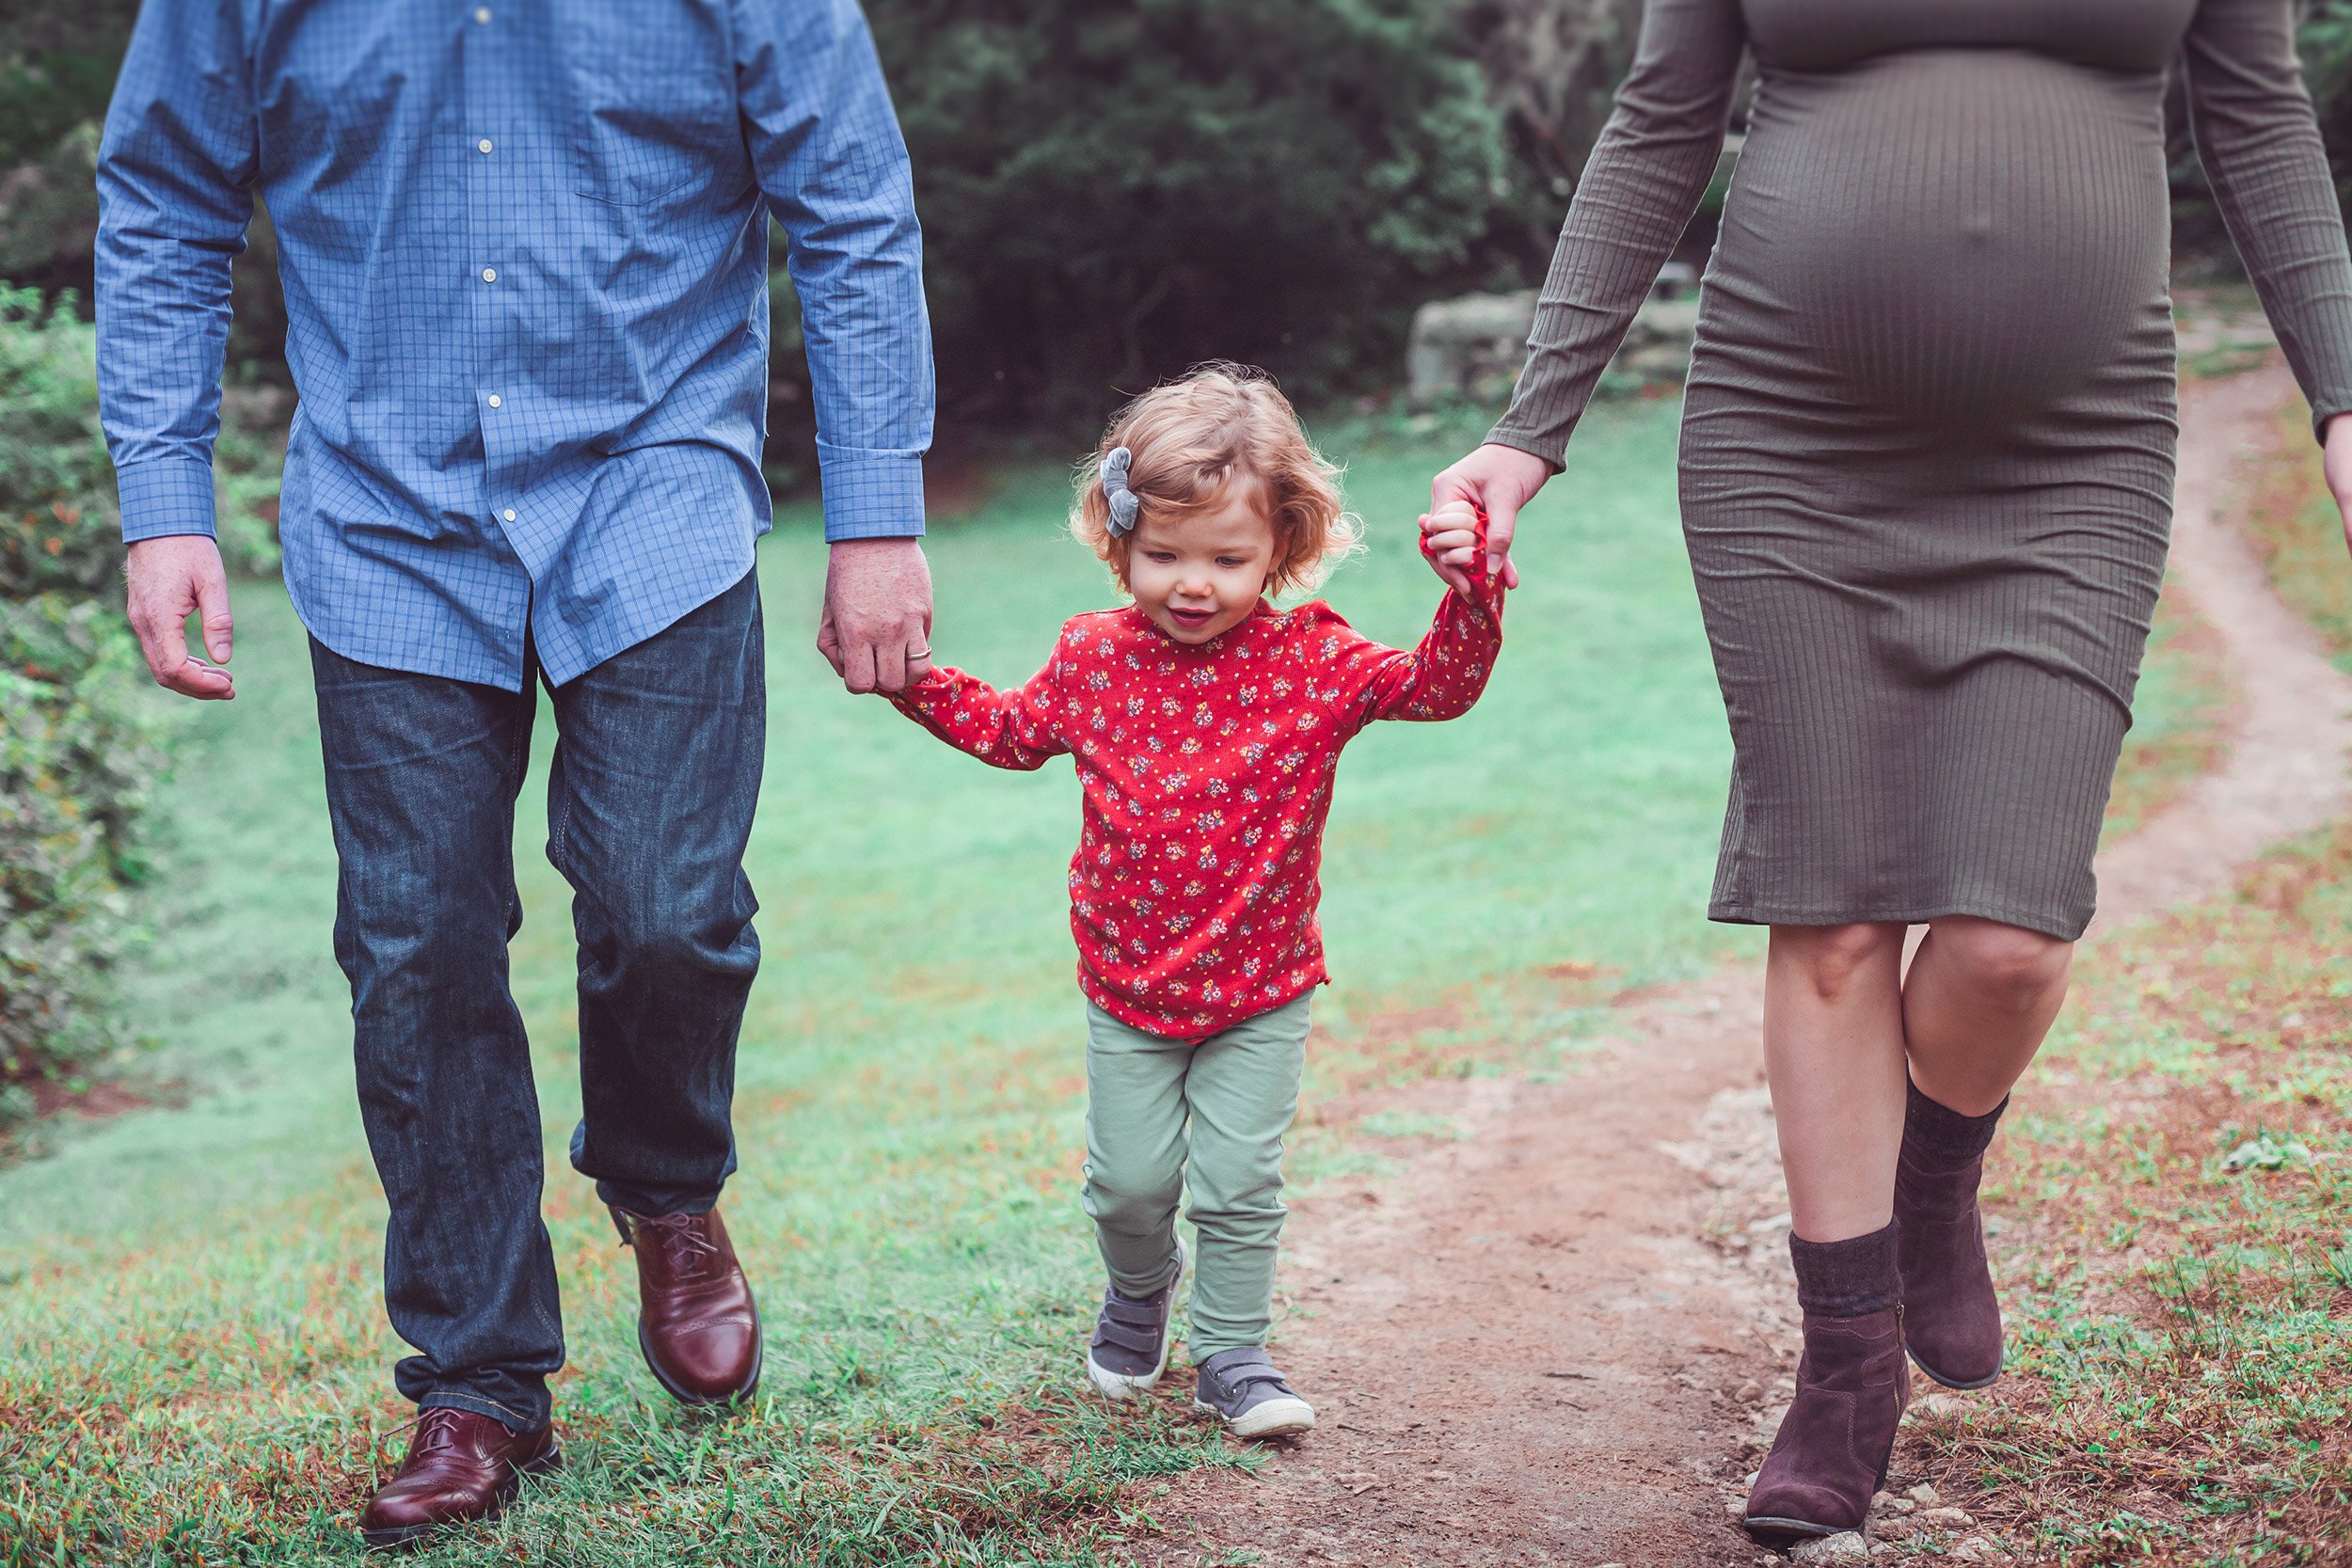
1833	1447
462	1469
695	1323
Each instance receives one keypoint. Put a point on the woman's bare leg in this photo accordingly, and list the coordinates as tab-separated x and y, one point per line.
1834	1054
1979	1000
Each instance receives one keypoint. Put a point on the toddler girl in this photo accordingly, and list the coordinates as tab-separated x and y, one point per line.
1206	725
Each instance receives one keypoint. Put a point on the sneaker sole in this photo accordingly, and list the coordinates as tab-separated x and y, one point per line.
1273	1419
1125	1388
411	1538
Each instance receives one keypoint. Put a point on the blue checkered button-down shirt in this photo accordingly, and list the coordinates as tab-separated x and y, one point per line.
524	245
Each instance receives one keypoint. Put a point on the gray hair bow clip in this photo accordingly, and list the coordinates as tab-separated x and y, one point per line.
1124	502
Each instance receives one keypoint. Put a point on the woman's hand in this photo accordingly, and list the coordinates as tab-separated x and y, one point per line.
1449	538
2339	470
1499	480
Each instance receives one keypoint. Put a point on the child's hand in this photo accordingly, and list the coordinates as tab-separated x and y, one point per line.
1453	540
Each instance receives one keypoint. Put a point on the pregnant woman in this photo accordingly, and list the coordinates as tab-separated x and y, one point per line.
1926	482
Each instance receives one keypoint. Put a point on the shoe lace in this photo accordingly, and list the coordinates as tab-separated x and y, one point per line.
683	1235
435	1431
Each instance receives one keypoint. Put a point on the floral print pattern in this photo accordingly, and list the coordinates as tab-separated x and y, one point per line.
1207	775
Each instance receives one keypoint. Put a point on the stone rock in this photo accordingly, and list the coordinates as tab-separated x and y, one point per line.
1674	281
1472	347
1924	1495
1847	1546
1974	1548
1882	1501
1656	348
1943	1518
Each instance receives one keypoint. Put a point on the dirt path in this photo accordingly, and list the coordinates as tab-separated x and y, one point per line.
1566	1338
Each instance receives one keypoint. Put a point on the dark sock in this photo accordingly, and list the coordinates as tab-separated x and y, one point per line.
1938	1138
1849	1278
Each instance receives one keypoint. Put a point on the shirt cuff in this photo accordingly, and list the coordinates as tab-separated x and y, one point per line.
871	495
166	496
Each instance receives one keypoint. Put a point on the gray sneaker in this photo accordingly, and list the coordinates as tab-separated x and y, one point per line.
1129	1350
1241	1389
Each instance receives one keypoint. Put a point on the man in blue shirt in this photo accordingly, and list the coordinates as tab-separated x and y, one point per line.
524	248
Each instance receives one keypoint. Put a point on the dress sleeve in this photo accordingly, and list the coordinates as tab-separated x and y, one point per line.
2262	152
1640	188
1441	679
1017	730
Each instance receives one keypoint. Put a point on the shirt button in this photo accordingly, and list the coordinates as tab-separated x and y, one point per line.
489	275
508	513
494	400
482	145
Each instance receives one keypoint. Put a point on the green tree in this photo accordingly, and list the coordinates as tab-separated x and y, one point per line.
1112	193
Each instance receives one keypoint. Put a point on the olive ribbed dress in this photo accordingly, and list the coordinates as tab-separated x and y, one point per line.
1929	432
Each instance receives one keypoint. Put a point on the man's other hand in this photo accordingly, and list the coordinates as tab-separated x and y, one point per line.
876	631
170	578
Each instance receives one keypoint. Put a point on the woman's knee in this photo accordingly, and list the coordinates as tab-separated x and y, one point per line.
2005	967
1834	959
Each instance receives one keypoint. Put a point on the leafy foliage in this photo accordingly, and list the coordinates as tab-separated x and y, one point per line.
1114	193
76	757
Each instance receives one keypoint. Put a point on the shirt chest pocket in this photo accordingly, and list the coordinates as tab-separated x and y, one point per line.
654	97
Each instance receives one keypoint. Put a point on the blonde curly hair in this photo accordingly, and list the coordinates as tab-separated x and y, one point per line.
1192	440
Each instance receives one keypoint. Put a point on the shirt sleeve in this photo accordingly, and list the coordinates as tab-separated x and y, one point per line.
1015	730
825	142
1441	679
1639	191
2261	148
176	166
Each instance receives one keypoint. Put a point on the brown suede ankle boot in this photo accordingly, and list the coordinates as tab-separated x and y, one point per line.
1951	1317
1853	1384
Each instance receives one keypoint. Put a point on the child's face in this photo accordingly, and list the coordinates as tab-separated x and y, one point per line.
1201	576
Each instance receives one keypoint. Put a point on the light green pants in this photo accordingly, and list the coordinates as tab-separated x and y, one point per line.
1238	1090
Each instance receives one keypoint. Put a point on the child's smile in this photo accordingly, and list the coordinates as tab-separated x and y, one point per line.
1198	577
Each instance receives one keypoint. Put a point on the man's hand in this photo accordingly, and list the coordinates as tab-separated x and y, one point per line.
1501	479
876	631
2339	470
1449	538
169	579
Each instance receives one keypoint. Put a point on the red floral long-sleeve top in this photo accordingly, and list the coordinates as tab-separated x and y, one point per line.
1207	775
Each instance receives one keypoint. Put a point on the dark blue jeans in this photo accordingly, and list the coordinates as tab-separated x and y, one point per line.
649	804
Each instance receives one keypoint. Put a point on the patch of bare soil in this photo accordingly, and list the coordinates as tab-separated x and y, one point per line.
1568	1336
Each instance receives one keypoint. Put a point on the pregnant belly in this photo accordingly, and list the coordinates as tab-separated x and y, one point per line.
1957	237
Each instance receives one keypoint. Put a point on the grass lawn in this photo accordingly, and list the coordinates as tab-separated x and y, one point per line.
193	1361
2174	1201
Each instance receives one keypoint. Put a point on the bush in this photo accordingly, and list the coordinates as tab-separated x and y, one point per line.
78	754
1113	193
